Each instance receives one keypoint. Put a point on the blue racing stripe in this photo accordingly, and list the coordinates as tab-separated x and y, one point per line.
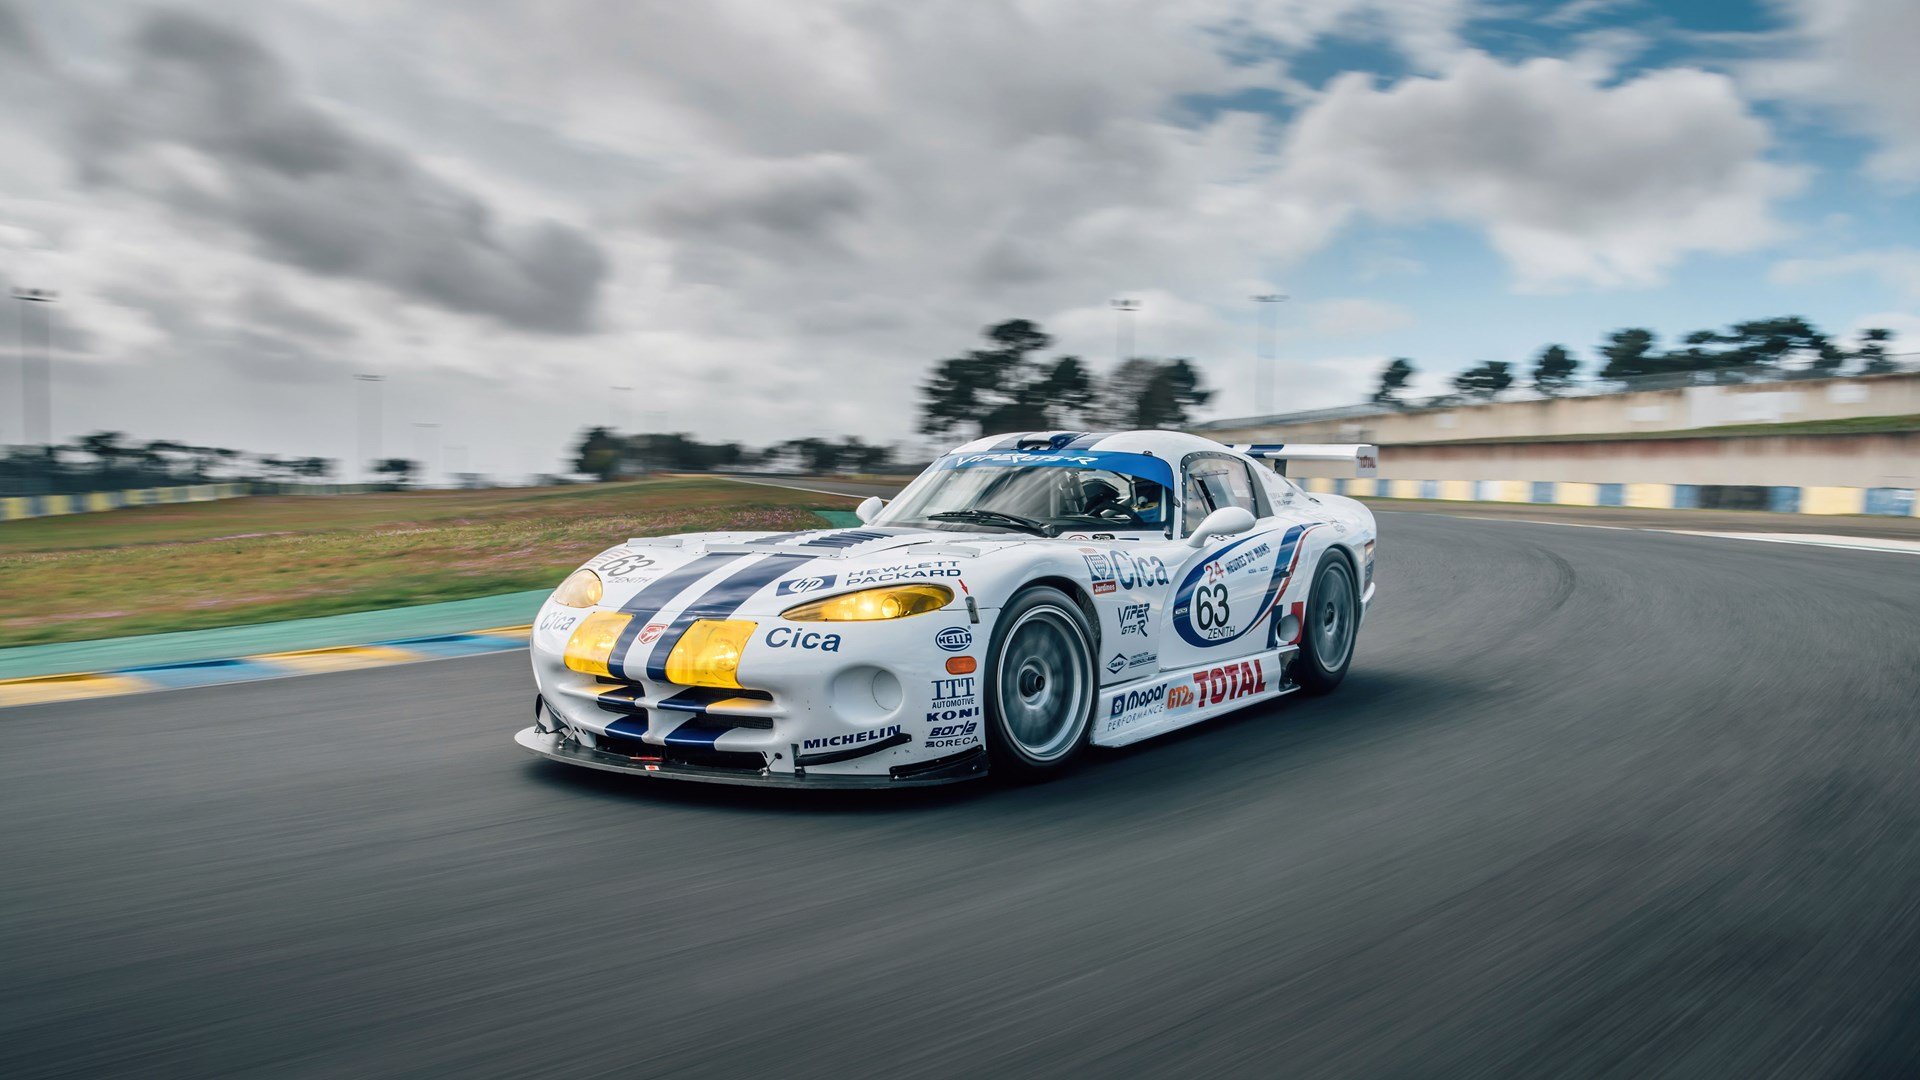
721	601
649	600
632	727
696	733
1086	440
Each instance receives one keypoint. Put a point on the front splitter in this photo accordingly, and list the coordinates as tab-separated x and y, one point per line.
557	747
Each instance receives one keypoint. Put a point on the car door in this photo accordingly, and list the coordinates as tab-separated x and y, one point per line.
1221	594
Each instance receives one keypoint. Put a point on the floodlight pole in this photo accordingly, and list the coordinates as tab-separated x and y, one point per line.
36	408
369	432
1123	328
1263	350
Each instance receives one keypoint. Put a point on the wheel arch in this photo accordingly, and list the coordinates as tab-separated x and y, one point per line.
1080	596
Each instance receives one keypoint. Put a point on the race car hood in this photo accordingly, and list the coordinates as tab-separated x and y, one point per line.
768	571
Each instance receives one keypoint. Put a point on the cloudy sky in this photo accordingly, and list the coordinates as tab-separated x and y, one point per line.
769	216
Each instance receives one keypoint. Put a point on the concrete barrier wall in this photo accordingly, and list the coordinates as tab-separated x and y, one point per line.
1882	501
1678	409
1863	461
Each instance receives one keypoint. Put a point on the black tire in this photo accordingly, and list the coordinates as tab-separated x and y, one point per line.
1332	626
1040	686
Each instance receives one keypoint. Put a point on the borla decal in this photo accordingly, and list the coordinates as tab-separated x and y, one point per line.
1212	606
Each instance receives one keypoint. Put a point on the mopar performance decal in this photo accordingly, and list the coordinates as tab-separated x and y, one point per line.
1234	590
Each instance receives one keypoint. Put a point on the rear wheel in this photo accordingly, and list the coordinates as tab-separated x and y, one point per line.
1332	620
1040	685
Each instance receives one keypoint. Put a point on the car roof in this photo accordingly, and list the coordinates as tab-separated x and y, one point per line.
1170	446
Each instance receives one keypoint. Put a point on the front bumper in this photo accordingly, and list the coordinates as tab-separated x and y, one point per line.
557	746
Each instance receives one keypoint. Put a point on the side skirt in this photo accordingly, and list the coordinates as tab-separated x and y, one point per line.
1172	700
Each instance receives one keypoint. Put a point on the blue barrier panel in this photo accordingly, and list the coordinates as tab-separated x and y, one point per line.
1784	500
1610	494
1892	501
1429	489
1542	491
1483	491
1686	497
1339	485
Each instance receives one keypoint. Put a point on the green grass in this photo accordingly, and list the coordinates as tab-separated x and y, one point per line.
202	565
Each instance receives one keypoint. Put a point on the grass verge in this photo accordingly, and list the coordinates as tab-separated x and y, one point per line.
201	565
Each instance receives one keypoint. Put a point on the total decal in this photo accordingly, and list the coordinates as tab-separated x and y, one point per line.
1109	571
1209	610
885	575
854	738
1217	686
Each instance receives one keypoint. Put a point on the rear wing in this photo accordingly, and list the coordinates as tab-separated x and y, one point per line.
1365	456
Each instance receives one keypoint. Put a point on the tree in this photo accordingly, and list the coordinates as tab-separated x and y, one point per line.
105	448
1768	342
1393	379
600	452
1554	370
1873	350
1487	379
1629	354
400	469
1004	387
1146	393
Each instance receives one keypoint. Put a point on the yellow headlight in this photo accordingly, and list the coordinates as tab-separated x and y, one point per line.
592	642
581	589
892	602
708	654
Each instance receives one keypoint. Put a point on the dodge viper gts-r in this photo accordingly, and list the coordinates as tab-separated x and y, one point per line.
1025	597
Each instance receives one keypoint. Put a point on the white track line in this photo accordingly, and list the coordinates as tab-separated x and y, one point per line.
1825	540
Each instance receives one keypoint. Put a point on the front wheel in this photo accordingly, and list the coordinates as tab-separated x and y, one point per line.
1040	685
1332	620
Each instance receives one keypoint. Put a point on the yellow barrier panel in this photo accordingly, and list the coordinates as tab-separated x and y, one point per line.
1518	491
1319	485
1833	500
1567	493
1456	490
1650	496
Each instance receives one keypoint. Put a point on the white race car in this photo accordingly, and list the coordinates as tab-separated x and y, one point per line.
1025	597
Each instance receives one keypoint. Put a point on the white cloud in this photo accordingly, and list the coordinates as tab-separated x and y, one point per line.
1576	181
1897	268
1858	56
803	204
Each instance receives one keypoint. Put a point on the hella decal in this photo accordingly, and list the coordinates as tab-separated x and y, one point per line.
953	638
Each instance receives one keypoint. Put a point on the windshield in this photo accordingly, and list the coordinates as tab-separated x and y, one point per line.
1075	495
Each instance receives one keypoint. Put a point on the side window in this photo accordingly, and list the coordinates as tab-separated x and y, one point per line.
1214	482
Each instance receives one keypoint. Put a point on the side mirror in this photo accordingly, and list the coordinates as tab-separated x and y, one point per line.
1222	522
869	508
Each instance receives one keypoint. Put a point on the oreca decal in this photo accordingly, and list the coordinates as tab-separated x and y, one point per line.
1206	613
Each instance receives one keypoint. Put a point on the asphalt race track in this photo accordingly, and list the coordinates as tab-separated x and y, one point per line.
1591	803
